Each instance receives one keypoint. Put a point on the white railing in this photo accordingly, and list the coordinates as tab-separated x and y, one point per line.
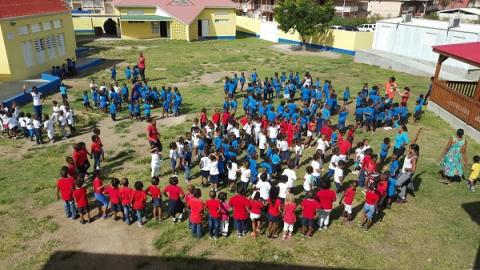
346	8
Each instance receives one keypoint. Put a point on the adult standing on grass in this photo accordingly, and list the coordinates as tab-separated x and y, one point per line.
153	135
451	158
37	100
401	140
141	65
391	88
404	179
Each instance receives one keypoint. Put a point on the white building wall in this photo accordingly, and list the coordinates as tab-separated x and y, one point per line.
416	41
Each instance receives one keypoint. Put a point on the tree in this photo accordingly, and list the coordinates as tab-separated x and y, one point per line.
307	17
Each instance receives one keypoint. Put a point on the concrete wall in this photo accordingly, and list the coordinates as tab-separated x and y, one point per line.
137	30
5	73
336	40
179	30
416	41
13	44
463	17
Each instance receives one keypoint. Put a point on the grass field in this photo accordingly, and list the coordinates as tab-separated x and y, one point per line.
438	229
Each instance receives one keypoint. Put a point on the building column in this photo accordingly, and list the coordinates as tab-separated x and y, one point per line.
441	59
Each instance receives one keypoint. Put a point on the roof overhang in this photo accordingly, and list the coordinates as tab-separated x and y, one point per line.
141	18
465	52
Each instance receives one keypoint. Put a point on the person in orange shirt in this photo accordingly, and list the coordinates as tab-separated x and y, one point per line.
391	88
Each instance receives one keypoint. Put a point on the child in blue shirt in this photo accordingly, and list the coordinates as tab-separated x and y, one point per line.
146	110
359	115
346	95
86	102
418	111
384	149
342	118
103	102
394	166
242	81
125	93
63	91
136	111
391	190
113	110
113	71
166	107
326	113
128	73
130	110
254	75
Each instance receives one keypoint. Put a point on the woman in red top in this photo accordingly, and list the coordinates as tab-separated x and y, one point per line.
274	211
175	195
203	118
154	192
196	207
114	195
98	188
289	217
153	135
141	65
256	206
139	200
80	196
369	208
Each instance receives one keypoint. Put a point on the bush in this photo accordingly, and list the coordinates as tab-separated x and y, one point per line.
352	22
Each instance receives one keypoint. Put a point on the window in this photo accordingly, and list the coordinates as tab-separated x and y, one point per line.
27	53
51	47
35	28
156	27
47	26
135	22
23	30
57	24
222	20
60	40
39	45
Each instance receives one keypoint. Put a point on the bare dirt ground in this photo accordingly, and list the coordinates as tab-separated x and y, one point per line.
298	50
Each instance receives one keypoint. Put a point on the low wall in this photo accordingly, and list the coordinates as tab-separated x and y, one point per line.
50	86
346	42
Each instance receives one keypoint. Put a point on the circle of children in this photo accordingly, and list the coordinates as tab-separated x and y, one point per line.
255	156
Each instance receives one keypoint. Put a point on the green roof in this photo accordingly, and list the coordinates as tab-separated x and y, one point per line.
143	18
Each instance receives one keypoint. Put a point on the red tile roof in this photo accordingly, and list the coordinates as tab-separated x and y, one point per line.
21	8
466	52
184	10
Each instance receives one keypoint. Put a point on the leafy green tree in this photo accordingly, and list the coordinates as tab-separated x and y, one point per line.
307	17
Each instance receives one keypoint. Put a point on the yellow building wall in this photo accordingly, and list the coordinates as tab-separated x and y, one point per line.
179	30
193	30
4	65
137	30
221	21
247	25
13	46
146	11
340	39
86	24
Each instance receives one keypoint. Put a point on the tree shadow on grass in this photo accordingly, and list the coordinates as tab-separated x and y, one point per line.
115	163
472	209
83	260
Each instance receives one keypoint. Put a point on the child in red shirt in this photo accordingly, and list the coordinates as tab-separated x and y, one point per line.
274	212
96	131
80	196
126	198
348	197
203	118
240	205
96	151
196	207
325	197
309	207
154	192
214	207
369	208
188	196
102	200
114	195
216	117
72	169
65	186
289	217
139	199
256	206
175	195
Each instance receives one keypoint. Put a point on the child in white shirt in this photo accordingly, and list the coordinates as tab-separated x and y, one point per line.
205	169
232	172
155	163
48	126
298	153
244	175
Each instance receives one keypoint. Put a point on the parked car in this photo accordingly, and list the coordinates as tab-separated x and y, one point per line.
350	28
366	27
337	27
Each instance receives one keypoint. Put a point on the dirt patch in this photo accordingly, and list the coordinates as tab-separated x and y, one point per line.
160	69
210	79
298	50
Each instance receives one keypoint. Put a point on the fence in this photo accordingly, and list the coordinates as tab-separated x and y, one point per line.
459	99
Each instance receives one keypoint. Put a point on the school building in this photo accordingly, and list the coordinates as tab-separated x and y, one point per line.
176	19
34	36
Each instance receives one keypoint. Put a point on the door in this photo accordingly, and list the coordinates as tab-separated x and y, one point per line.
163	29
204	29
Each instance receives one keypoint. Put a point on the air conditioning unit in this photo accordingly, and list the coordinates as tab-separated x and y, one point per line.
406	18
453	22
